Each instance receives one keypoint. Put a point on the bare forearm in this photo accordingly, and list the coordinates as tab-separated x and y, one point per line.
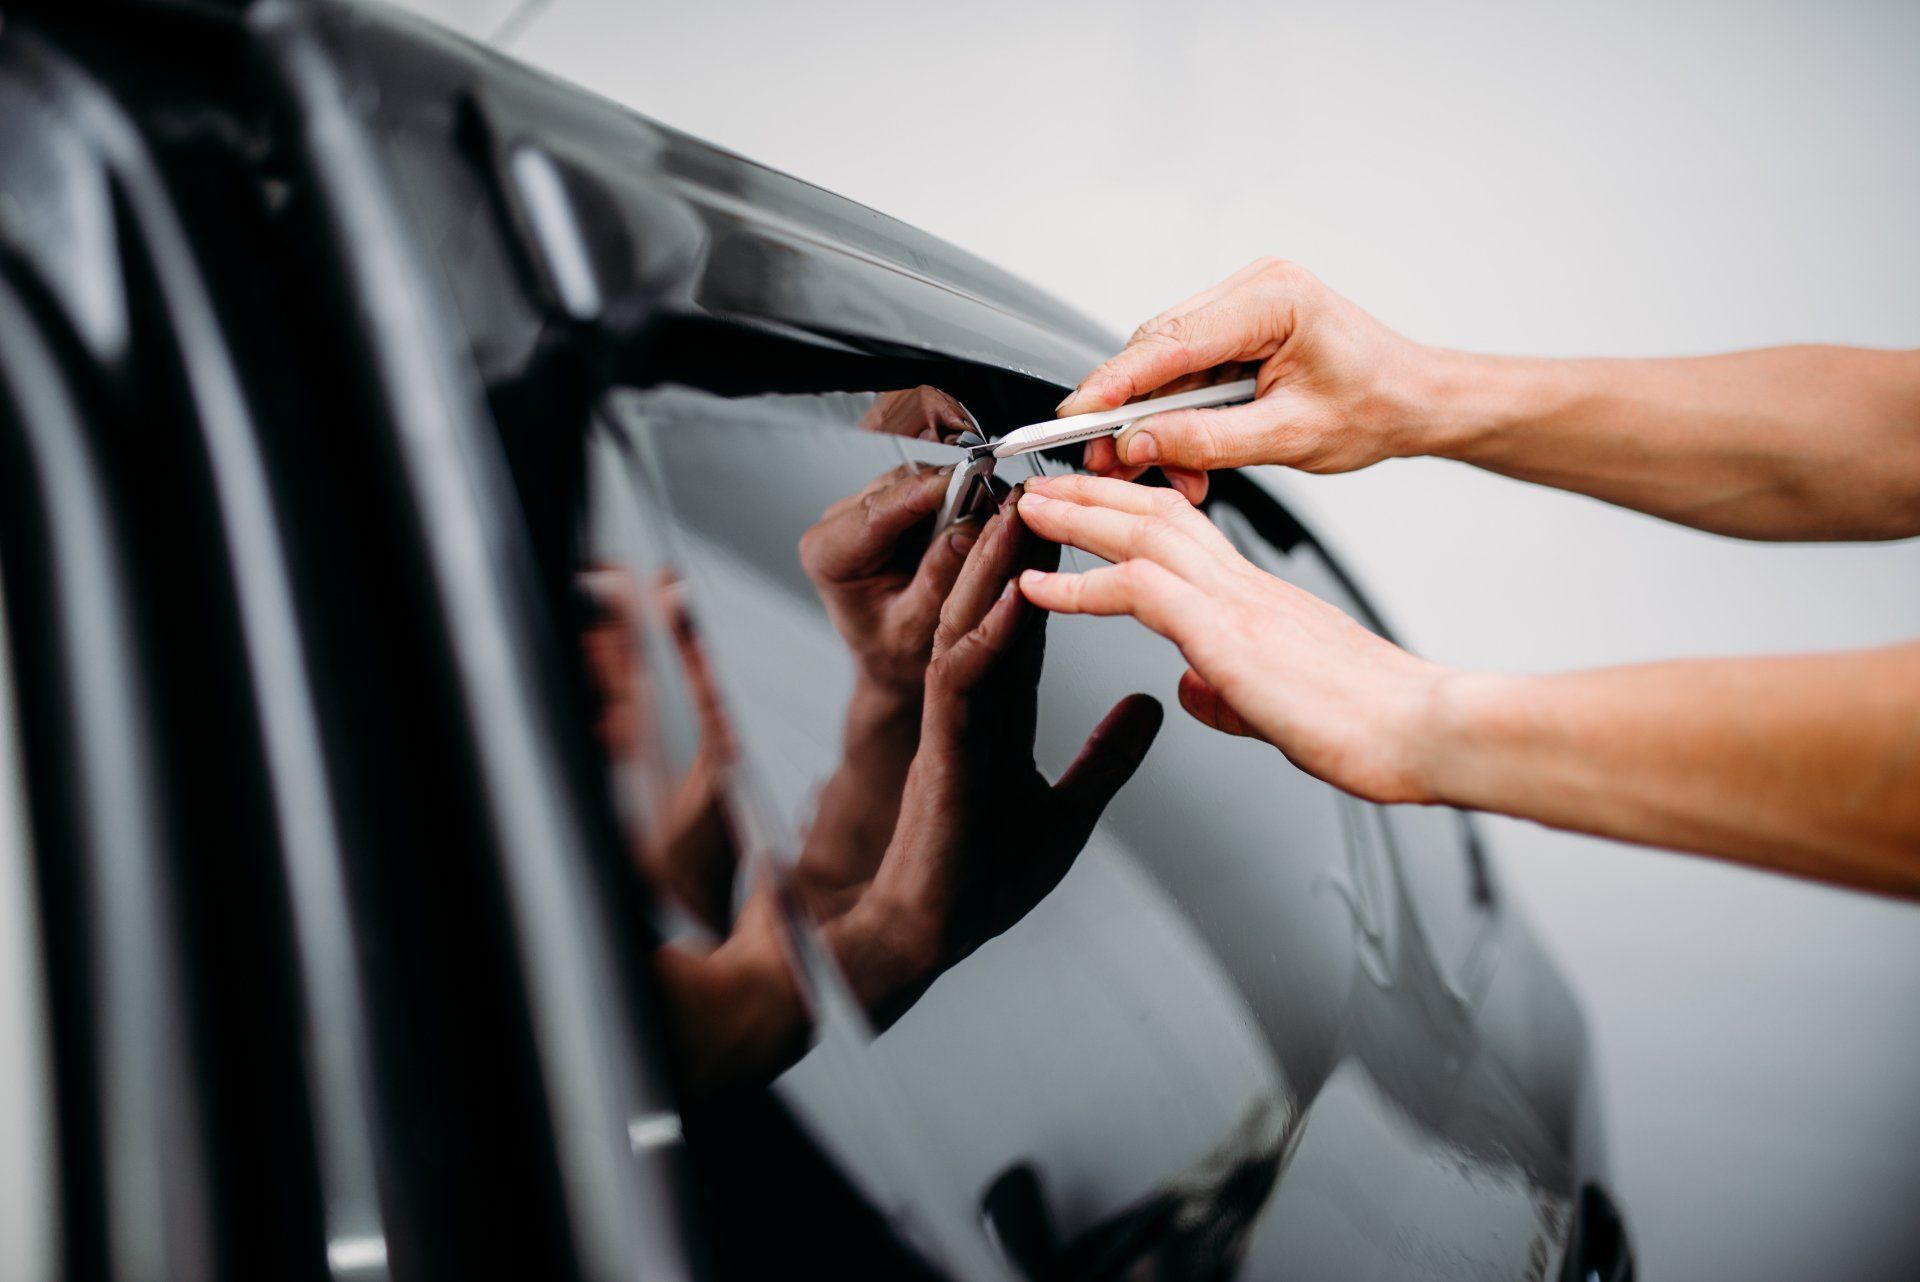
1807	765
1785	443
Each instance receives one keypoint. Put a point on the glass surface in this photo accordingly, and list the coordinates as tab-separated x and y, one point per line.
1072	1024
1431	847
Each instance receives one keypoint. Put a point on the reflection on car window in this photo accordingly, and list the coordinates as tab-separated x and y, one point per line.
1082	1011
1431	846
768	586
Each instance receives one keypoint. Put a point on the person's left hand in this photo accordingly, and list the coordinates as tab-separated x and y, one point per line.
1268	660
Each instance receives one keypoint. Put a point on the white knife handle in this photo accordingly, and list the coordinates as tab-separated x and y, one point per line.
1084	427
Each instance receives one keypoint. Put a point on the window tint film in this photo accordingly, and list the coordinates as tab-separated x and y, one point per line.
1082	976
1432	848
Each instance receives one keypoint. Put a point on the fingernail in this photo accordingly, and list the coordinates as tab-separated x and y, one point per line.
1032	578
1078	399
1143	448
1034	496
965	535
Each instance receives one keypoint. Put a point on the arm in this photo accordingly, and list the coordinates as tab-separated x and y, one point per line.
1803	765
1789	443
1807	765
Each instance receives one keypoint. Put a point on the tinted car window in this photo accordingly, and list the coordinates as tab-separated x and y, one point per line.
1228	980
1432	847
1168	1070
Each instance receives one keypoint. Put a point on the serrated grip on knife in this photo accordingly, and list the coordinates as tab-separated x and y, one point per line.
1084	427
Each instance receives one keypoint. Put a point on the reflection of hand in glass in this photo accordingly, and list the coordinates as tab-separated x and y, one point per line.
883	585
684	849
733	1010
883	589
982	836
924	413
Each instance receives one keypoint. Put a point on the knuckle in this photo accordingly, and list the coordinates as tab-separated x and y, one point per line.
1168	506
1135	580
1151	533
1174	332
940	669
945	633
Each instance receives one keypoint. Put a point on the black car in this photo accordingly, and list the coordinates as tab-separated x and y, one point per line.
519	774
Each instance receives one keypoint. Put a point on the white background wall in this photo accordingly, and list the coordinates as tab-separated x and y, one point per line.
1631	179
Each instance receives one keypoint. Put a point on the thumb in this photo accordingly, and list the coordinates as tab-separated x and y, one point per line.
1235	436
1186	344
1106	761
1209	707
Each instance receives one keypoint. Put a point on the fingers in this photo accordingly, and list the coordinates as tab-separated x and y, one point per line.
1118	536
924	412
1109	758
858	534
1100	459
1191	485
1195	341
1118	521
1150	593
1209	707
980	580
962	665
1233	436
1195	301
918	608
1121	496
716	731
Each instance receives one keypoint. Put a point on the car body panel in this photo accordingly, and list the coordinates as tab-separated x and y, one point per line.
415	330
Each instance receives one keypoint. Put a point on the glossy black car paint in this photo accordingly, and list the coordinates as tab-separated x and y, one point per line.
300	356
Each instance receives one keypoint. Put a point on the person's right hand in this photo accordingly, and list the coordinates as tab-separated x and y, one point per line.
1338	390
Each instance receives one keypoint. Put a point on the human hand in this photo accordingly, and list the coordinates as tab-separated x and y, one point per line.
982	835
1267	659
925	413
1338	390
883	595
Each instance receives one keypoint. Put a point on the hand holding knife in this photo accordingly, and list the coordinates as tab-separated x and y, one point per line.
1084	427
981	454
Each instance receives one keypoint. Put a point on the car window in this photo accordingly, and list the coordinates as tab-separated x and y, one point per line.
1103	1012
27	1183
721	689
1101	1051
1431	849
